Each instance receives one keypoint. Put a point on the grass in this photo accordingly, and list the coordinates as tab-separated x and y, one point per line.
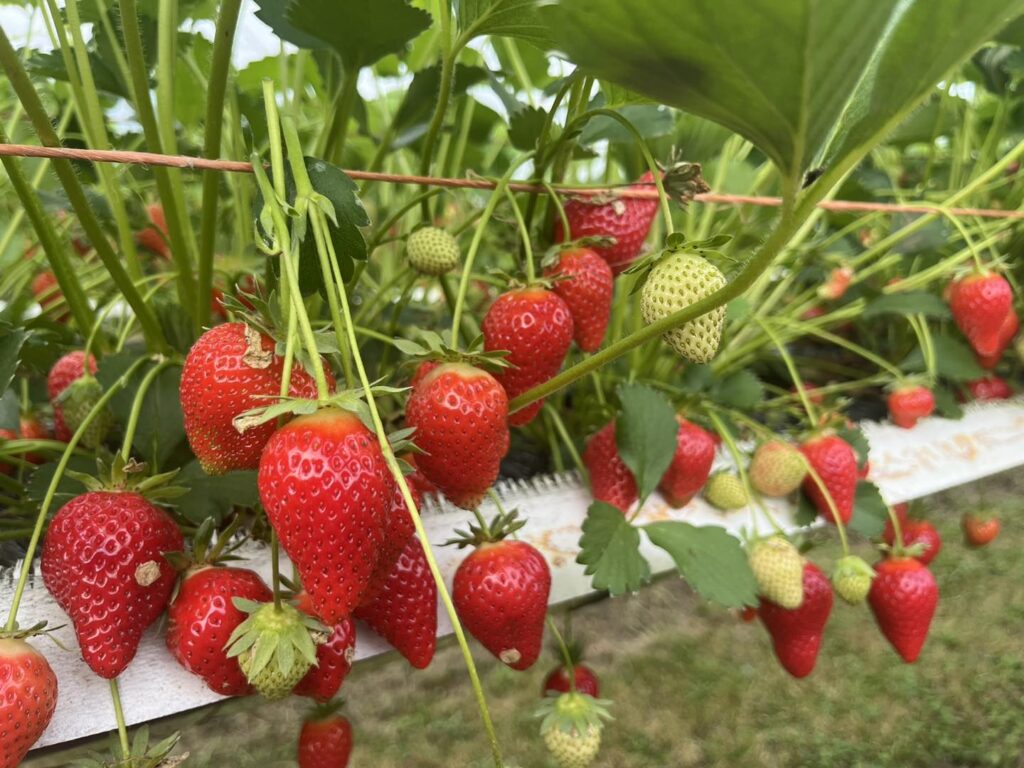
694	686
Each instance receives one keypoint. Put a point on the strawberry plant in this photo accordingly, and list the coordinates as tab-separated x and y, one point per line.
682	249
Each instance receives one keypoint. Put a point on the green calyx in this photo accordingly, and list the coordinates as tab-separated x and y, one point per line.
76	403
439	347
572	713
117	474
852	579
36	630
275	646
502	525
142	755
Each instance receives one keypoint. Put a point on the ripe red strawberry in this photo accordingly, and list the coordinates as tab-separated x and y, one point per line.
903	598
991	387
461	418
919	532
909	403
627	220
979	531
835	462
838	282
47	292
1009	328
66	370
610	478
586	286
417	479
325	742
535	326
231	369
501	593
748	614
557	681
103	563
797	632
404	610
691	464
202	617
155	238
28	697
398	527
333	658
327	491
32	428
980	304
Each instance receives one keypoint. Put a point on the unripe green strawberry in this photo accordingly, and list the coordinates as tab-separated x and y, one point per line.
678	281
432	251
779	570
77	401
275	646
852	579
572	749
572	728
777	468
725	491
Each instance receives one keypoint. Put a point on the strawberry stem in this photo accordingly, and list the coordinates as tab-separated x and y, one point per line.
122	728
137	403
812	415
524	233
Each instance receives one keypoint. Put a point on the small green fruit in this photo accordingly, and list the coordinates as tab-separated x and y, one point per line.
777	468
725	491
779	570
572	728
432	251
77	402
852	579
674	283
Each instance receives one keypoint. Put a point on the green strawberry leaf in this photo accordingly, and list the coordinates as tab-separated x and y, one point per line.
645	433
710	559
869	511
911	303
741	390
806	513
214	496
508	18
421	96
525	126
11	341
610	550
953	360
858	441
946	404
67	488
650	120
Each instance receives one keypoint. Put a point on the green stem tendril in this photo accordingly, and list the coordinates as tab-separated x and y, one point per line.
122	729
524	234
137	403
812	415
563	433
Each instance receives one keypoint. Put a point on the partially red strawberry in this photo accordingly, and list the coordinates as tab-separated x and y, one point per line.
231	369
103	562
47	291
909	403
66	370
979	531
535	326
31	428
991	387
325	742
610	478
404	610
327	491
903	598
628	220
501	594
797	633
333	658
835	462
691	464
28	698
557	681
201	619
461	418
919	532
585	283
838	282
1009	328
980	304
154	238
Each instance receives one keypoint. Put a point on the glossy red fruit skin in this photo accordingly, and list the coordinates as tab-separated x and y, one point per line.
691	464
398	527
67	369
557	681
917	532
404	610
586	285
202	617
903	598
327	491
93	548
501	594
535	326
47	292
978	532
627	220
836	464
797	633
909	404
461	418
217	385
1009	328
333	658
989	388
610	478
980	304
325	743
28	698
